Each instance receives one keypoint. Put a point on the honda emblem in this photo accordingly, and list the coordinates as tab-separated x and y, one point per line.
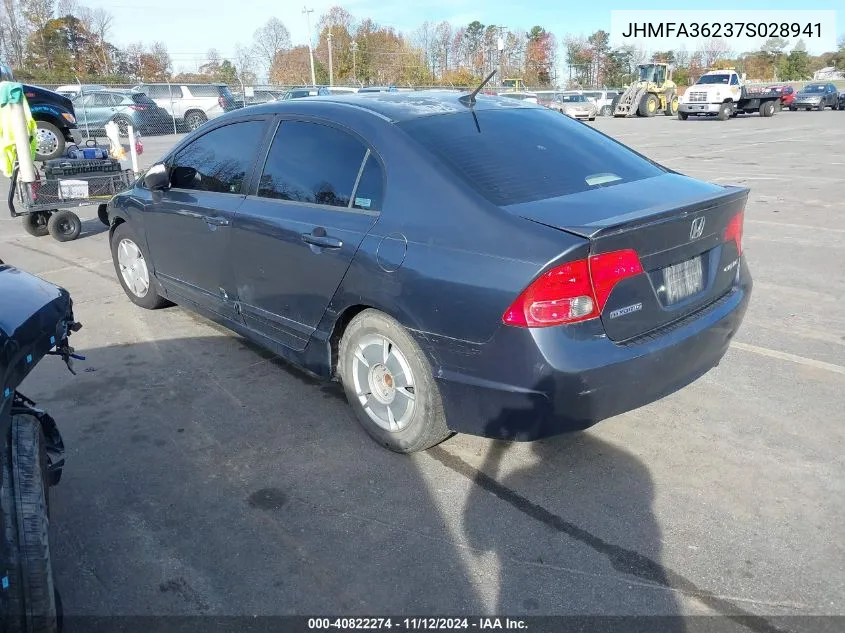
696	229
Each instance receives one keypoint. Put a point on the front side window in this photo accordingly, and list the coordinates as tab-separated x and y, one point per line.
218	161
734	80
313	163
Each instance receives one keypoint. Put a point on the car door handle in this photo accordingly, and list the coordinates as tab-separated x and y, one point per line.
215	220
319	238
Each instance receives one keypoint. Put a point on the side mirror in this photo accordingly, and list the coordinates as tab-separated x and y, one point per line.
157	178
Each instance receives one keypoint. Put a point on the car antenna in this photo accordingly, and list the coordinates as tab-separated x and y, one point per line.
470	98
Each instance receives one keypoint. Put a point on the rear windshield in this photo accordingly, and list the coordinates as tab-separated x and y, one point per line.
527	154
140	97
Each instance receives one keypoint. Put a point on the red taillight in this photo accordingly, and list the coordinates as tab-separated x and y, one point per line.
572	292
137	107
734	231
608	269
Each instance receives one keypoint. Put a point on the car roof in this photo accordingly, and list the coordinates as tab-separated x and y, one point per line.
394	106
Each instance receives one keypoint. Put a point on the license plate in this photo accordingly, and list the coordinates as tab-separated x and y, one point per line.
683	280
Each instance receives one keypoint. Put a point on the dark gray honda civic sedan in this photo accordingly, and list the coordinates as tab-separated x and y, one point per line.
466	265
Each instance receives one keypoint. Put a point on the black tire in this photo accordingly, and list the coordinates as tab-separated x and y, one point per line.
36	223
122	125
614	103
64	225
672	103
194	119
31	593
427	424
151	300
793	109
683	116
821	105
608	110
57	140
724	112
649	105
103	214
767	108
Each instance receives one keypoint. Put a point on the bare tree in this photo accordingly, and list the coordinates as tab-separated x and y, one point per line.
67	7
14	33
270	40
713	49
424	38
162	57
245	64
38	13
442	47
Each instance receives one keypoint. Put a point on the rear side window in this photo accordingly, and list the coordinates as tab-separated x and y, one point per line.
157	92
206	91
527	154
313	163
218	161
368	195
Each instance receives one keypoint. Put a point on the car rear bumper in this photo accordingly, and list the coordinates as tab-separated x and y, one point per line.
528	384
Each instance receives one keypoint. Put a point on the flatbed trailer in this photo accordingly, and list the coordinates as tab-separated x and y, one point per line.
724	95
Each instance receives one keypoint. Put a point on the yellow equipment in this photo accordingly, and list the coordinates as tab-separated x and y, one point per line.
653	92
516	85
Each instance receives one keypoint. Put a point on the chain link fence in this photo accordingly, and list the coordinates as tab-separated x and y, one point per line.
155	108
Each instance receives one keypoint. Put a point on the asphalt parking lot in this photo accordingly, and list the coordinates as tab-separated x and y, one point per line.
205	477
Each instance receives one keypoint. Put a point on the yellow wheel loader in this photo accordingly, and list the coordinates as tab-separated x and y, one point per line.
653	92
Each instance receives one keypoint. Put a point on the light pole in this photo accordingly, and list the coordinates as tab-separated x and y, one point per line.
354	63
331	70
500	44
308	13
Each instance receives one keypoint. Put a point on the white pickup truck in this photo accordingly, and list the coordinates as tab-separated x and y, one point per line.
725	94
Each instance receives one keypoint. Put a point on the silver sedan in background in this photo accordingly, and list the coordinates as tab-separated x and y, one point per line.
576	106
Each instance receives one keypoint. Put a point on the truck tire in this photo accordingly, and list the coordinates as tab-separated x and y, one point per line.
49	141
671	106
725	111
613	105
31	592
767	108
648	105
683	116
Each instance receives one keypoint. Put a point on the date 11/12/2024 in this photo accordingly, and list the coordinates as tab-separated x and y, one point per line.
417	624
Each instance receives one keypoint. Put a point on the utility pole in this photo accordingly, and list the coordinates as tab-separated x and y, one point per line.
308	13
500	44
354	62
331	70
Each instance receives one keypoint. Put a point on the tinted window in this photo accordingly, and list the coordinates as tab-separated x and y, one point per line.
140	97
368	195
527	154
157	92
219	160
313	163
734	80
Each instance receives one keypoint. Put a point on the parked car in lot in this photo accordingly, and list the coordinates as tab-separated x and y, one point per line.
191	104
378	89
545	97
578	106
125	108
603	100
842	100
299	93
71	91
341	90
599	282
787	94
258	97
528	97
816	97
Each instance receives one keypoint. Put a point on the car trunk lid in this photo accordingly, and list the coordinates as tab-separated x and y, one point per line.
682	231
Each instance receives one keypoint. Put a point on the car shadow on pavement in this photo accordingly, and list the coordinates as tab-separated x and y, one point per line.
203	478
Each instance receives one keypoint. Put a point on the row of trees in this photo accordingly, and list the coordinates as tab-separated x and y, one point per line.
592	62
55	41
